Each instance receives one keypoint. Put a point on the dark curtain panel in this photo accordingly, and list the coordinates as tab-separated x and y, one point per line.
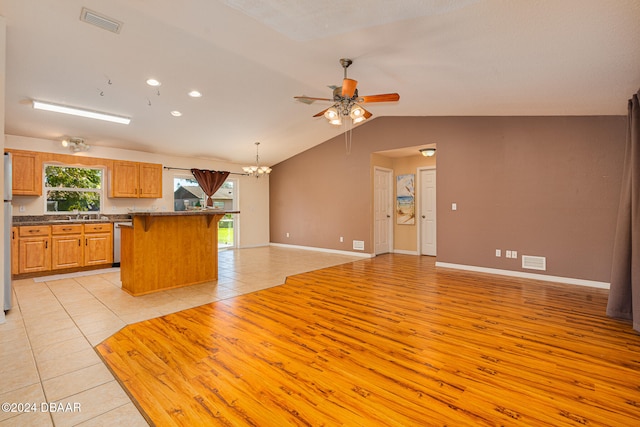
209	181
624	294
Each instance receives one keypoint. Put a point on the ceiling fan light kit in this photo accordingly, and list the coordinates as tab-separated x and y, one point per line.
347	101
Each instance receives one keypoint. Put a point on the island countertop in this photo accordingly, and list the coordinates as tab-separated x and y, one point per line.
148	217
183	213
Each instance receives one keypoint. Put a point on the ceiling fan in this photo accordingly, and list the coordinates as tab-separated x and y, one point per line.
346	101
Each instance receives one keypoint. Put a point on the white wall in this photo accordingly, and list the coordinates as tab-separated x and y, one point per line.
253	194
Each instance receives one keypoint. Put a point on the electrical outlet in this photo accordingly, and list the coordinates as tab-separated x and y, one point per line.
454	206
287	234
341	239
22	208
514	254
498	253
508	254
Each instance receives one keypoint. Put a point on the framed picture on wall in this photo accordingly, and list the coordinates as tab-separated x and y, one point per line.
405	199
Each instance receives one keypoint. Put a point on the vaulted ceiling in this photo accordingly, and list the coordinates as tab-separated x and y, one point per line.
249	58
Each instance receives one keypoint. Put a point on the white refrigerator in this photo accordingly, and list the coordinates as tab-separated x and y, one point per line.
7	230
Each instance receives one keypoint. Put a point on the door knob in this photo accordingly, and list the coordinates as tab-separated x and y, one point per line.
423	216
388	216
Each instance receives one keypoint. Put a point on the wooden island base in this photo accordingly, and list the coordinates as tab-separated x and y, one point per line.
169	250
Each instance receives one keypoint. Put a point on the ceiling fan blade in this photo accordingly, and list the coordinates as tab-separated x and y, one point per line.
387	97
310	100
321	113
349	87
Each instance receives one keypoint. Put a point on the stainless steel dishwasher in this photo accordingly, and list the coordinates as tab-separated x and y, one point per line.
116	241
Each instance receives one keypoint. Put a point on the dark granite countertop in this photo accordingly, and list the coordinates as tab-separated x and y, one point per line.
185	213
64	219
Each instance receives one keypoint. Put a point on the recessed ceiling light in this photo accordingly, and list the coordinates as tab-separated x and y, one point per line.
176	113
195	94
153	82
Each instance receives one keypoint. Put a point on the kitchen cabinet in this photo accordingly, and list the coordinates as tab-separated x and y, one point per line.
135	180
98	240
27	173
66	246
43	248
34	252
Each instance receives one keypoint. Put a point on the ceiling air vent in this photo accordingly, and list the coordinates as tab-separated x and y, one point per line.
534	262
94	18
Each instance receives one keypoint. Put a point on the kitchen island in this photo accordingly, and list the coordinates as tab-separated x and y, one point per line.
166	250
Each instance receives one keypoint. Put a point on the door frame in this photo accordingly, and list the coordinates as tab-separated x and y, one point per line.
390	173
419	210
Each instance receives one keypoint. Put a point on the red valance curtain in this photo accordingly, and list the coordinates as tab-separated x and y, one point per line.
624	293
209	181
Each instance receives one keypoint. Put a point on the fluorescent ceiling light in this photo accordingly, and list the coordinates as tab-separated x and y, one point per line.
195	94
153	82
39	105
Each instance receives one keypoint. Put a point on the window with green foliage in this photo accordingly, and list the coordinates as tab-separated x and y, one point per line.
71	188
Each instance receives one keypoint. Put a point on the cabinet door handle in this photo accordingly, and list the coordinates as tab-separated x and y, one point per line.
79	244
86	242
67	229
46	244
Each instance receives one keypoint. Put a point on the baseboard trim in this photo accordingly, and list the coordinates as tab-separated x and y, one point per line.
403	252
331	251
525	275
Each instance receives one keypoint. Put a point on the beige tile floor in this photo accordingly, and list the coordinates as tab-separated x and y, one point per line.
46	344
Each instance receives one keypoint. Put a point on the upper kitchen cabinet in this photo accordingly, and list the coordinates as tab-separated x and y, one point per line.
27	173
134	179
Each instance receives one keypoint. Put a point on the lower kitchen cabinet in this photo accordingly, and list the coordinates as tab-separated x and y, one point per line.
34	249
66	245
58	247
98	240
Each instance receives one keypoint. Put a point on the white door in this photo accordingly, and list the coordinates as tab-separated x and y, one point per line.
382	205
428	212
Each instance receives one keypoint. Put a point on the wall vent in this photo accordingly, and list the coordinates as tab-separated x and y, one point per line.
534	262
358	245
104	22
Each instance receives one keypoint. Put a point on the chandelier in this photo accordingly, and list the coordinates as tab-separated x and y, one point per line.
257	170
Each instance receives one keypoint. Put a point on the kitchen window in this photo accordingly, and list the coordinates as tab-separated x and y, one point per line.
73	188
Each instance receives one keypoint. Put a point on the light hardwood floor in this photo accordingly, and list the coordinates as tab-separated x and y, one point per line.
388	341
